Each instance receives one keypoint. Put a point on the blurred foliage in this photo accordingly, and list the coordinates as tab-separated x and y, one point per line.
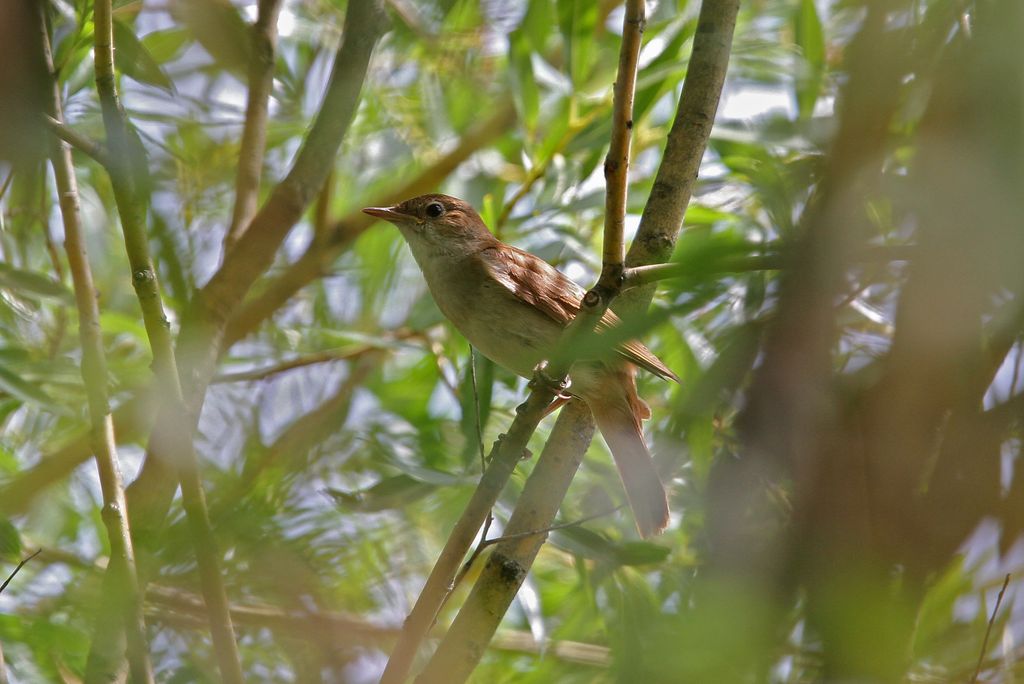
340	441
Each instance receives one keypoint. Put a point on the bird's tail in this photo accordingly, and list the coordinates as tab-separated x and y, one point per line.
618	418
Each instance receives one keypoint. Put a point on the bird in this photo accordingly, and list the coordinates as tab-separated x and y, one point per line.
513	306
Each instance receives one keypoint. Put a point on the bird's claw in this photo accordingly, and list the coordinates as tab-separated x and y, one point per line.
525	456
541	378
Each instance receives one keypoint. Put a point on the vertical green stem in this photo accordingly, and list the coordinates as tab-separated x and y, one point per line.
175	432
123	595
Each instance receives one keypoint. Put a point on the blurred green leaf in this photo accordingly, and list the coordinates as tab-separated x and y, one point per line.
30	284
810	38
577	20
527	94
10	542
134	59
220	29
13	384
390	493
165	45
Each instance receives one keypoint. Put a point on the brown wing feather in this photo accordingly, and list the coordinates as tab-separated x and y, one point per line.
540	284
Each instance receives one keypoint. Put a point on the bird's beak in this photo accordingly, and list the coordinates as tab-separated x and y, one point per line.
388	214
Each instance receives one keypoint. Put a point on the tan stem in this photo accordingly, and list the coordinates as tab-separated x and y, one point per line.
121	594
254	131
507	566
173	433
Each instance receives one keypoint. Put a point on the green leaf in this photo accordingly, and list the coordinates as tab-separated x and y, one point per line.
164	46
641	553
388	494
537	23
526	93
10	541
29	283
220	29
577	20
135	61
13	384
583	542
811	41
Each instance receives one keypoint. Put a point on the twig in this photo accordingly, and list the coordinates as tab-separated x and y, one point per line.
485	542
203	329
476	411
92	149
616	164
174	434
254	132
988	630
333	630
327	356
121	590
481	545
772	260
467	639
552	528
662	217
639	276
250	257
7	182
17	570
504	456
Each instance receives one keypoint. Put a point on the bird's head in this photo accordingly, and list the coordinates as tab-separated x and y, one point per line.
439	222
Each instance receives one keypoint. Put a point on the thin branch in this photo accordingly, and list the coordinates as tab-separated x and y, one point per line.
477	621
327	356
551	528
254	132
92	149
364	24
504	456
121	591
318	257
988	630
772	260
7	182
202	330
662	217
333	630
174	434
485	542
639	276
476	409
17	570
616	164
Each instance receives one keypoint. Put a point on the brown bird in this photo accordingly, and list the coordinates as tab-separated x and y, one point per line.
513	306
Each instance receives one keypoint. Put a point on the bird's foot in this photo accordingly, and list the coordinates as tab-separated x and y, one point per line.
541	379
525	456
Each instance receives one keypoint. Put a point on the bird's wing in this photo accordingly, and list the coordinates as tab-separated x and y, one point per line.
538	283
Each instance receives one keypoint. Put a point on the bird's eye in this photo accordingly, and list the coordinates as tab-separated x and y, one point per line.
434	209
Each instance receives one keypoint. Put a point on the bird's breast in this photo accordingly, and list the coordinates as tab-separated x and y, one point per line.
502	327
